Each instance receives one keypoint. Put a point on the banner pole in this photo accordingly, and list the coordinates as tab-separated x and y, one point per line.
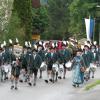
94	31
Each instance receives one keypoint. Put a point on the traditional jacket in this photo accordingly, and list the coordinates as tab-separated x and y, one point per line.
28	58
95	56
8	56
23	60
36	61
42	55
51	58
89	57
64	56
85	58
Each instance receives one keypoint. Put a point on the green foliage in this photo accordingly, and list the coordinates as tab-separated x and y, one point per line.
5	13
80	9
14	28
92	85
40	20
24	10
58	18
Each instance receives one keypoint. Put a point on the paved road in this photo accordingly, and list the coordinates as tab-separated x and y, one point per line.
62	90
92	94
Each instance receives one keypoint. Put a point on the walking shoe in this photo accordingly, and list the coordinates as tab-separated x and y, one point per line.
21	81
74	85
6	78
29	84
12	87
46	81
59	77
50	80
16	88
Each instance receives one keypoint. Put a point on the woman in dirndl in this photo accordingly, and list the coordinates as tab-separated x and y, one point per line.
78	68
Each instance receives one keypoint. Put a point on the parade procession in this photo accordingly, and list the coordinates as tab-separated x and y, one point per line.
49	49
27	63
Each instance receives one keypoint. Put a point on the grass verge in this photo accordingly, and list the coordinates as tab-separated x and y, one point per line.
92	85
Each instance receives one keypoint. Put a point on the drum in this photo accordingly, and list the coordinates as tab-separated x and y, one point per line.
17	50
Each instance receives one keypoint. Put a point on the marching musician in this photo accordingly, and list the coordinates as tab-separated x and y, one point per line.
34	66
88	57
51	57
28	62
64	56
15	72
41	52
24	65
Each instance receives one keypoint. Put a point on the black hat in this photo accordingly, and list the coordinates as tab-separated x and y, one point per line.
10	45
39	45
34	50
1	49
51	48
86	46
92	46
28	47
79	50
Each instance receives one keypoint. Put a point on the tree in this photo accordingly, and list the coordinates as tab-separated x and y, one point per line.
24	11
58	13
5	14
14	29
80	9
40	20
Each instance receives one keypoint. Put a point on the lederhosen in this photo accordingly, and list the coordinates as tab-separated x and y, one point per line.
35	64
50	60
15	70
24	62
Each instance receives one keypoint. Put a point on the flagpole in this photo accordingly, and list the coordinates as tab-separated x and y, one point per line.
94	30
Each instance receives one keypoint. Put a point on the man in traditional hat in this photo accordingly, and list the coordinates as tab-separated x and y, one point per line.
15	72
28	57
64	56
94	54
6	60
88	58
41	52
24	65
35	65
51	58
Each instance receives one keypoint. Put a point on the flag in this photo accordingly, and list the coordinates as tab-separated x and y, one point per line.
89	23
92	22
